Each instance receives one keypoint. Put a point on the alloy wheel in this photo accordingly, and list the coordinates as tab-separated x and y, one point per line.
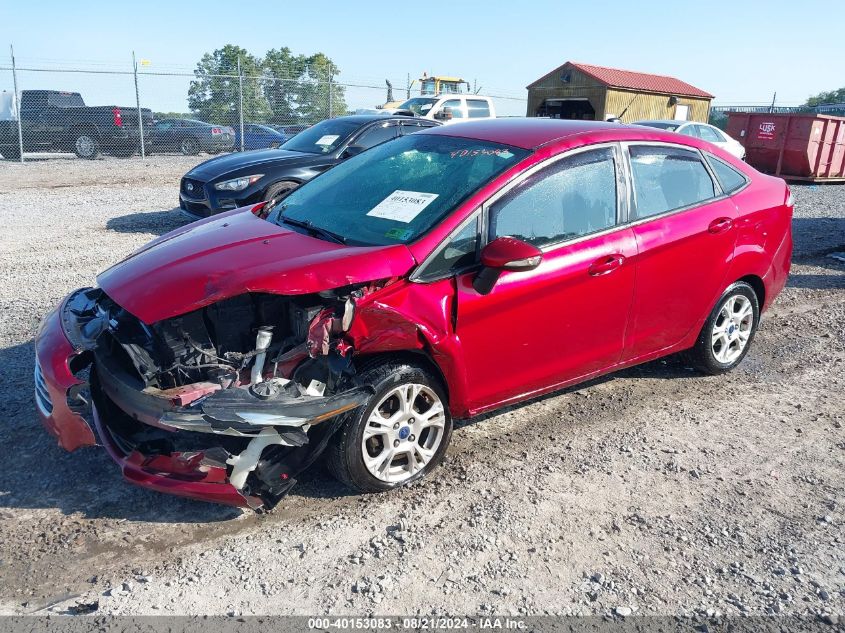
403	432
189	147
732	329
85	145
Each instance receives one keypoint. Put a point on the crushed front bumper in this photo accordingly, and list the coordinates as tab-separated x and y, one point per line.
54	382
215	445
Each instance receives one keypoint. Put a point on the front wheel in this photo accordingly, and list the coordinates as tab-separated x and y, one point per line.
399	436
729	330
279	190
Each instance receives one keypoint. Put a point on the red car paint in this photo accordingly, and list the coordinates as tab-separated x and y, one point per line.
173	475
234	253
54	353
592	307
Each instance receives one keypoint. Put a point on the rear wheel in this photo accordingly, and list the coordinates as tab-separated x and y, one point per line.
729	330
399	436
189	146
279	190
86	145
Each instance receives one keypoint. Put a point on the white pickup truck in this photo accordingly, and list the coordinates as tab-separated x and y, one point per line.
450	108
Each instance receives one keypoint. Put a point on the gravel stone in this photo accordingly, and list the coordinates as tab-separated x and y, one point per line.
658	476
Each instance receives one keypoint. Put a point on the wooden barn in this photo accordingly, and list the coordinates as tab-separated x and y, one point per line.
583	91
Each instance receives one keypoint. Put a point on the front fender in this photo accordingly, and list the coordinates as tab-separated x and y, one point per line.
414	317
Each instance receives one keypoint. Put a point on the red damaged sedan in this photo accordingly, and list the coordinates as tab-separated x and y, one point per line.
442	275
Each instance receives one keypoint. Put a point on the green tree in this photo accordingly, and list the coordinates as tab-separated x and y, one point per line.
320	95
214	95
302	88
833	96
282	71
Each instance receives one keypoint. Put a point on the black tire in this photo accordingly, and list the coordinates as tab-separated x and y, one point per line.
11	152
703	355
345	454
279	190
189	146
86	144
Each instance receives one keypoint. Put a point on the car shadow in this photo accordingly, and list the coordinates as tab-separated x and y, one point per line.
155	222
672	367
818	282
814	237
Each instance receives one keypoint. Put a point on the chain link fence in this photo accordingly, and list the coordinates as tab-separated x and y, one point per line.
140	111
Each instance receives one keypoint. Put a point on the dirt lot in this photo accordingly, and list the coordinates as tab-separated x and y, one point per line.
655	490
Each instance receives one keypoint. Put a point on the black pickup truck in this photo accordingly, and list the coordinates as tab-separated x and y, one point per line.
55	121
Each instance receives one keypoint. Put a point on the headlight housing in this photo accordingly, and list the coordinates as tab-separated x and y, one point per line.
237	184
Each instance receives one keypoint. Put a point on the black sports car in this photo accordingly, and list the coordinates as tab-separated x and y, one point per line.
236	180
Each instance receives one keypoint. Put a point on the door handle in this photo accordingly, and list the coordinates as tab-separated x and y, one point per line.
606	264
720	225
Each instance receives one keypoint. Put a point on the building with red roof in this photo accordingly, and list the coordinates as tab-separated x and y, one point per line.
585	91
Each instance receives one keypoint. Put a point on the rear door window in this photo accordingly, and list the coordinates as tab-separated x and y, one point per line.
478	108
729	178
668	178
410	128
65	100
376	135
709	134
689	130
576	196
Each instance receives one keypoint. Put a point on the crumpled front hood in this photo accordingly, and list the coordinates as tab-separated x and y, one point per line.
234	253
220	165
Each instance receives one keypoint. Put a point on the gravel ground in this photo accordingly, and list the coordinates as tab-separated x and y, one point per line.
654	490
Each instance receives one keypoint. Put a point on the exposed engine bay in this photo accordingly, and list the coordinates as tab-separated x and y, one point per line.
255	384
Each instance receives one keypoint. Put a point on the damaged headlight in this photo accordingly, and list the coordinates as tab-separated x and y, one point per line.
237	184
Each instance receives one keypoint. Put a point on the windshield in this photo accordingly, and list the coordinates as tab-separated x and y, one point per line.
418	105
663	125
395	192
323	138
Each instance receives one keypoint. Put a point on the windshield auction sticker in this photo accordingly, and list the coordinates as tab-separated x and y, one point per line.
402	206
328	139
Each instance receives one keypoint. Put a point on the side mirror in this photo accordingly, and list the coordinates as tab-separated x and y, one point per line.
445	114
504	253
353	150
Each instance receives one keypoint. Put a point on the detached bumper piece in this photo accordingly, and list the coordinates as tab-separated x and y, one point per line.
214	441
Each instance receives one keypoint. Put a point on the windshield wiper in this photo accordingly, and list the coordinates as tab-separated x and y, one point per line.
314	229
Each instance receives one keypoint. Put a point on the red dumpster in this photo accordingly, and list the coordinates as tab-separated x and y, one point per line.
792	146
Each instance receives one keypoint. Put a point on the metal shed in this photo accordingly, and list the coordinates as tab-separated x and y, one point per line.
584	91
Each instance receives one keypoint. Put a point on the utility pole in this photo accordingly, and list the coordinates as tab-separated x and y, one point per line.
138	104
241	100
330	91
17	100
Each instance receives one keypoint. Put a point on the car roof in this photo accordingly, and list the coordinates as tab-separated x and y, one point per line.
366	118
665	122
531	133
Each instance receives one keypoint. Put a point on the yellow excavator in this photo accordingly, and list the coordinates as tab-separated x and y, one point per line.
432	86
